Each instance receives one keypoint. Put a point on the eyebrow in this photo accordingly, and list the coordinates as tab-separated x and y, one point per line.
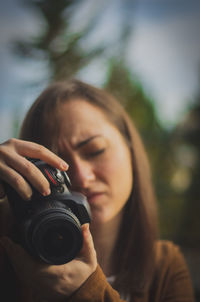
86	141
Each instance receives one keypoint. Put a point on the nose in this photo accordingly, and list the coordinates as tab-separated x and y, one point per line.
81	174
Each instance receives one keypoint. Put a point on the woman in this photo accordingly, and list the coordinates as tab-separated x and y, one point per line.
87	129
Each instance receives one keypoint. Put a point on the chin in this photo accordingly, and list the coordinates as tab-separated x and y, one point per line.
100	217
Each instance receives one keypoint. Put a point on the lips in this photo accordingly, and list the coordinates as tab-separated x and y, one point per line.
94	196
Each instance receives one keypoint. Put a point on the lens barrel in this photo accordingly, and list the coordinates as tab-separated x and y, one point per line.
54	236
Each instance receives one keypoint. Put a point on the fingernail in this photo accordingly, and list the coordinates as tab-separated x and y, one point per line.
86	228
27	196
64	165
47	192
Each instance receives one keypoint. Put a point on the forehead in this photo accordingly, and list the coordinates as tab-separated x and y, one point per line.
79	119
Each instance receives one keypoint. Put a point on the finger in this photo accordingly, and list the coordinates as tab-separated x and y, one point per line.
34	150
31	173
14	179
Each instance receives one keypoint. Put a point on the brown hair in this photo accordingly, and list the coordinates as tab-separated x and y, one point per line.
133	258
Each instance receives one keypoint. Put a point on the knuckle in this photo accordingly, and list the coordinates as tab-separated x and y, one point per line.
5	147
39	148
17	181
4	152
11	141
27	166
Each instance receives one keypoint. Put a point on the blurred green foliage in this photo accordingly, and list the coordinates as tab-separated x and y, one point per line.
187	136
57	43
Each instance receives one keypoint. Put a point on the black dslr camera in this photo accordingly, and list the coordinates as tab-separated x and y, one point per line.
49	227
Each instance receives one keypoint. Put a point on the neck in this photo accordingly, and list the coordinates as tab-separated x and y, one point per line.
105	236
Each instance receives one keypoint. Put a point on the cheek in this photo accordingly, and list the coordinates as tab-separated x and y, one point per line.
117	170
125	177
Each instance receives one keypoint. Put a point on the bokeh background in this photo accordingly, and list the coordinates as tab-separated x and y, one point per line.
147	53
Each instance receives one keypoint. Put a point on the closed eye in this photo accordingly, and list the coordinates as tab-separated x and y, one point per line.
96	153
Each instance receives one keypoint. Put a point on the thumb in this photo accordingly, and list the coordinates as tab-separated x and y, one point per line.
88	251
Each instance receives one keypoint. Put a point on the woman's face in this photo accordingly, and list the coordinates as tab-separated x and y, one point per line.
99	160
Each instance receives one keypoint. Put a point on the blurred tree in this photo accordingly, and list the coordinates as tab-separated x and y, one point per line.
121	83
187	136
186	139
57	43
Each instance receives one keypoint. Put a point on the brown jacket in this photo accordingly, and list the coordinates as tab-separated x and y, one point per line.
171	282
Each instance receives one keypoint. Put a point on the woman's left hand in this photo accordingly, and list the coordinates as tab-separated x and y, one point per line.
52	282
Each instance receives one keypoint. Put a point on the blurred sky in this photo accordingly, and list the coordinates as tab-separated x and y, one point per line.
163	50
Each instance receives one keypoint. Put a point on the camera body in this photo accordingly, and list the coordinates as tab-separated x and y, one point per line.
49	227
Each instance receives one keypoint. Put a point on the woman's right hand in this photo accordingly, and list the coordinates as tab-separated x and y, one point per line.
15	168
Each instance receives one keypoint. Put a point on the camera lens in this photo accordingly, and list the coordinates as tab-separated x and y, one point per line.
58	241
55	236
